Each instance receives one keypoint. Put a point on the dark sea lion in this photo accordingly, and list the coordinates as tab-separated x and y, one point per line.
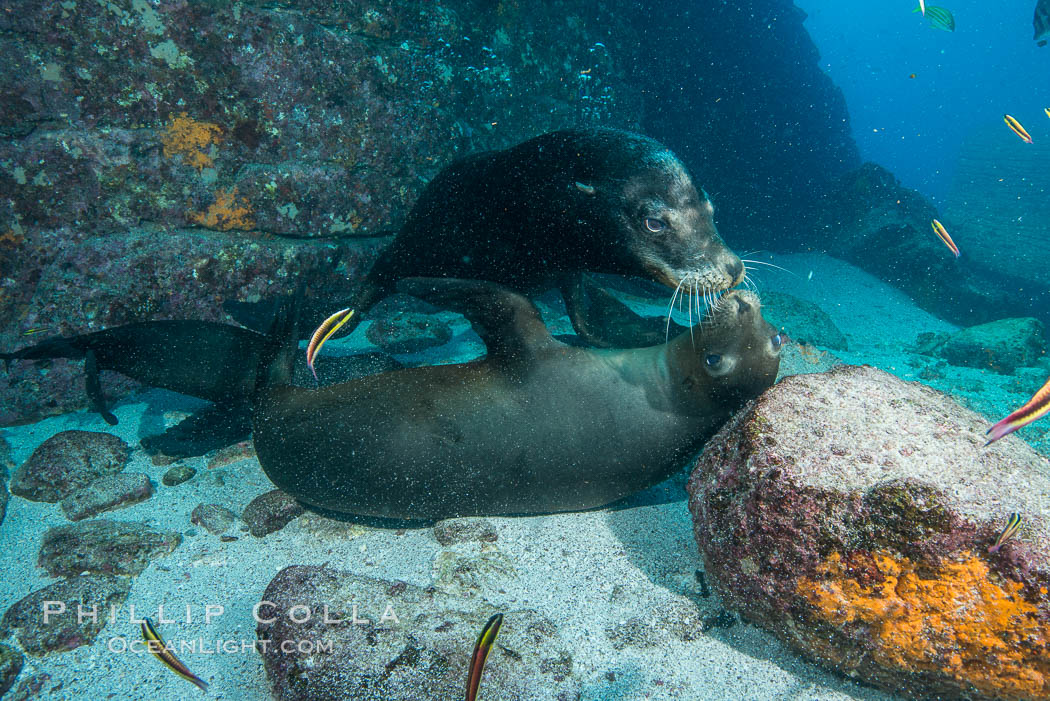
537	215
211	361
534	427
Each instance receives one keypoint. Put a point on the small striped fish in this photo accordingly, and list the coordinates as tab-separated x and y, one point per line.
1012	526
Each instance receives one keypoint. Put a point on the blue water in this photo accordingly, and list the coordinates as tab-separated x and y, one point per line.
965	79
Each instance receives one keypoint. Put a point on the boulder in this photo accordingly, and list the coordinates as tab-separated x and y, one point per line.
270	512
213	518
407	643
62	628
409	332
106	493
851	514
1002	345
103	547
803	321
66	462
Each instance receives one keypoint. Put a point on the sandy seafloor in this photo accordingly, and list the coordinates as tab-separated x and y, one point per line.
588	572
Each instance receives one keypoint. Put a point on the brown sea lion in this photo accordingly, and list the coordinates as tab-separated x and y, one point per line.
536	426
539	214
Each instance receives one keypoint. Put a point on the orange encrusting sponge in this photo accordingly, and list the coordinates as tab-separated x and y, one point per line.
958	619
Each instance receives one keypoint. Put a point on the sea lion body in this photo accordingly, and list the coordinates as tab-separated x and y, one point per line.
536	426
539	214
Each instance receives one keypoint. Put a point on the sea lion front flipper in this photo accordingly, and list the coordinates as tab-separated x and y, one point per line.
207	429
575	295
508	323
94	388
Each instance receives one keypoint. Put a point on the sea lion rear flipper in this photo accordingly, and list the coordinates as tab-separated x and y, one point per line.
508	323
94	388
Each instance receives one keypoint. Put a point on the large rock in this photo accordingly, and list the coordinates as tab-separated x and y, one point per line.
423	655
103	547
67	461
270	512
851	514
6	465
1002	345
106	493
869	219
803	321
63	628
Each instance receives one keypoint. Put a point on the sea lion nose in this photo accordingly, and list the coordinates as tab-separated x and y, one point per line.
735	269
742	307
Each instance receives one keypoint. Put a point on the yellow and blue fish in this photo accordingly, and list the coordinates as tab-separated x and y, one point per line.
1016	127
1033	409
324	332
481	653
1012	526
160	650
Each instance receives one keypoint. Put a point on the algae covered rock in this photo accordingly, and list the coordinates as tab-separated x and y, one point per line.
1002	345
106	493
851	514
61	628
66	462
407	642
103	547
270	512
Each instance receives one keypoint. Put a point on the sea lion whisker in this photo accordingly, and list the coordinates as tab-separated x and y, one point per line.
670	310
771	265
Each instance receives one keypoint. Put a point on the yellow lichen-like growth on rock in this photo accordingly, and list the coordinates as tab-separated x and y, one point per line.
227	212
958	619
191	139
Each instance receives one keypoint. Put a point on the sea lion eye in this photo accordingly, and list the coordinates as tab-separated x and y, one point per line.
777	342
655	225
712	360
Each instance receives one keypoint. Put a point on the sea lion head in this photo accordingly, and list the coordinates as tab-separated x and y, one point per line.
734	355
663	224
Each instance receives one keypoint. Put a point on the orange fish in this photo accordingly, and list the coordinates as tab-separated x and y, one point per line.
1034	408
328	327
1017	128
942	234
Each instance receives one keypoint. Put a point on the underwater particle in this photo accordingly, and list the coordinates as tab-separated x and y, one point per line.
227	212
1016	127
190	139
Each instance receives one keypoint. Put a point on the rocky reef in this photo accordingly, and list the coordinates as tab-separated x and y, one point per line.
869	219
851	514
160	159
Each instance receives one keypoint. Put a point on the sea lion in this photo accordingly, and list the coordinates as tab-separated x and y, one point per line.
536	426
208	360
537	215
